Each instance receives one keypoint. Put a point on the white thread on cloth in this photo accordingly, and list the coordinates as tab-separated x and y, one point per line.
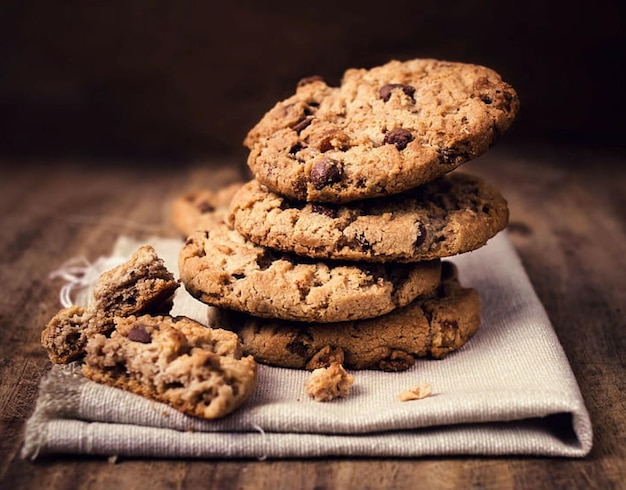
80	275
263	455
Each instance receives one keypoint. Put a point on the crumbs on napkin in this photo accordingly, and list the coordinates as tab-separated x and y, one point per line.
327	383
417	392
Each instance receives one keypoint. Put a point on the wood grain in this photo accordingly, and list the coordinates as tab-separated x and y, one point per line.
567	222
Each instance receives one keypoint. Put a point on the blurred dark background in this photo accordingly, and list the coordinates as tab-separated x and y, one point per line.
165	79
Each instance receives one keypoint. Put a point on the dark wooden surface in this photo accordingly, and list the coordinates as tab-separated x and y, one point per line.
157	77
568	222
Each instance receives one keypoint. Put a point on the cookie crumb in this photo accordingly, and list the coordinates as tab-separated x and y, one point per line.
326	384
415	393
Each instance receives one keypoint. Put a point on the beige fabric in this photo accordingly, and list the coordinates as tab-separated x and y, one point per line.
510	390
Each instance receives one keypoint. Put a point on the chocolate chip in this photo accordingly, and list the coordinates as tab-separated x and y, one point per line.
450	324
308	80
399	137
385	90
325	210
421	234
139	334
326	171
302	123
486	99
205	207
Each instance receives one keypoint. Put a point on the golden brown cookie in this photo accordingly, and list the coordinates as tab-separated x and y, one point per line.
382	131
221	268
139	286
198	370
432	327
448	216
66	334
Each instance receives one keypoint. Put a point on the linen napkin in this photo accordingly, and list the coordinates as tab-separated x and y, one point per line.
509	391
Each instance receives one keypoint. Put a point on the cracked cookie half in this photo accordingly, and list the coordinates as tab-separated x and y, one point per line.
197	370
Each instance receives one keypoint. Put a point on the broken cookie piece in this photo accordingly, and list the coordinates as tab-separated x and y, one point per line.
65	335
326	384
123	342
195	369
139	286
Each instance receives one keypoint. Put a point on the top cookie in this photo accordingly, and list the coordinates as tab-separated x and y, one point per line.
383	131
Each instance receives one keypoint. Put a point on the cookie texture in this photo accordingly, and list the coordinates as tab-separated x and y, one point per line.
221	268
201	208
197	370
139	286
431	327
454	214
66	334
382	131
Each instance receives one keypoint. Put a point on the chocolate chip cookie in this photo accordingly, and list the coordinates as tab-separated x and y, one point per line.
382	131
121	340
221	268
198	370
433	326
141	285
450	215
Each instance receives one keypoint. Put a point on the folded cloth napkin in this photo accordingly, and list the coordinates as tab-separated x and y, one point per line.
510	390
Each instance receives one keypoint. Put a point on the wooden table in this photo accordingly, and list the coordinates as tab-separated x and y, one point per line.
567	221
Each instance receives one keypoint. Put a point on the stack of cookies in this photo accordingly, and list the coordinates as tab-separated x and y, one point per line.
332	253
